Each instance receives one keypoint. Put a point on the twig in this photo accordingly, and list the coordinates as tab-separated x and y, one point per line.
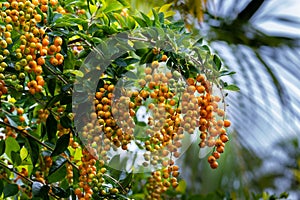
58	75
117	182
16	172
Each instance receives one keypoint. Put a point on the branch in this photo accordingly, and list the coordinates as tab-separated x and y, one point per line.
24	133
16	172
248	12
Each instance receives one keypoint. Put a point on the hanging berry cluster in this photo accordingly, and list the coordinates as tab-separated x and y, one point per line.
174	106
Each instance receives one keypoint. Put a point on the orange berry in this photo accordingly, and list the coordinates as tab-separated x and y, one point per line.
53	2
59	56
41	61
211	159
216	155
45	42
22	118
214	165
154	64
200	78
110	88
54	61
227	123
20	111
77	191
148	70
164	58
52	48
58	41
224	138
190	81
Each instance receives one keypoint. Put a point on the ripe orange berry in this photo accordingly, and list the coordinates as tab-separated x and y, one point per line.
200	78
53	48
216	154
53	2
59	56
214	165
20	111
148	70
224	138
200	89
220	149
58	41
211	159
155	64
54	61
227	123
191	89
41	61
45	42
77	191
164	58
190	81
22	118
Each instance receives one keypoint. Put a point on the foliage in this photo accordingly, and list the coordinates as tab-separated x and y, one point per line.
61	63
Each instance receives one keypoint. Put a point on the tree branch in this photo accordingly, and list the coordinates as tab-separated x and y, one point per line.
248	12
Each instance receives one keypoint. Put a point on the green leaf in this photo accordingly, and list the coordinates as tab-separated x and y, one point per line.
60	192
40	190
131	75
23	153
51	126
140	21
54	100
11	145
217	62
77	73
147	19
51	83
147	58
112	5
1	187
49	15
127	181
58	170
66	122
226	73
76	175
156	18
10	190
16	159
232	88
165	7
181	188
11	121
2	147
61	145
143	124
33	149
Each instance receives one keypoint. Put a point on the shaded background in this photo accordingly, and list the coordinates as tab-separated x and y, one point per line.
259	40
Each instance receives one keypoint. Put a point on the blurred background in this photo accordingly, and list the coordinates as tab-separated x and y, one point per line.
260	40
